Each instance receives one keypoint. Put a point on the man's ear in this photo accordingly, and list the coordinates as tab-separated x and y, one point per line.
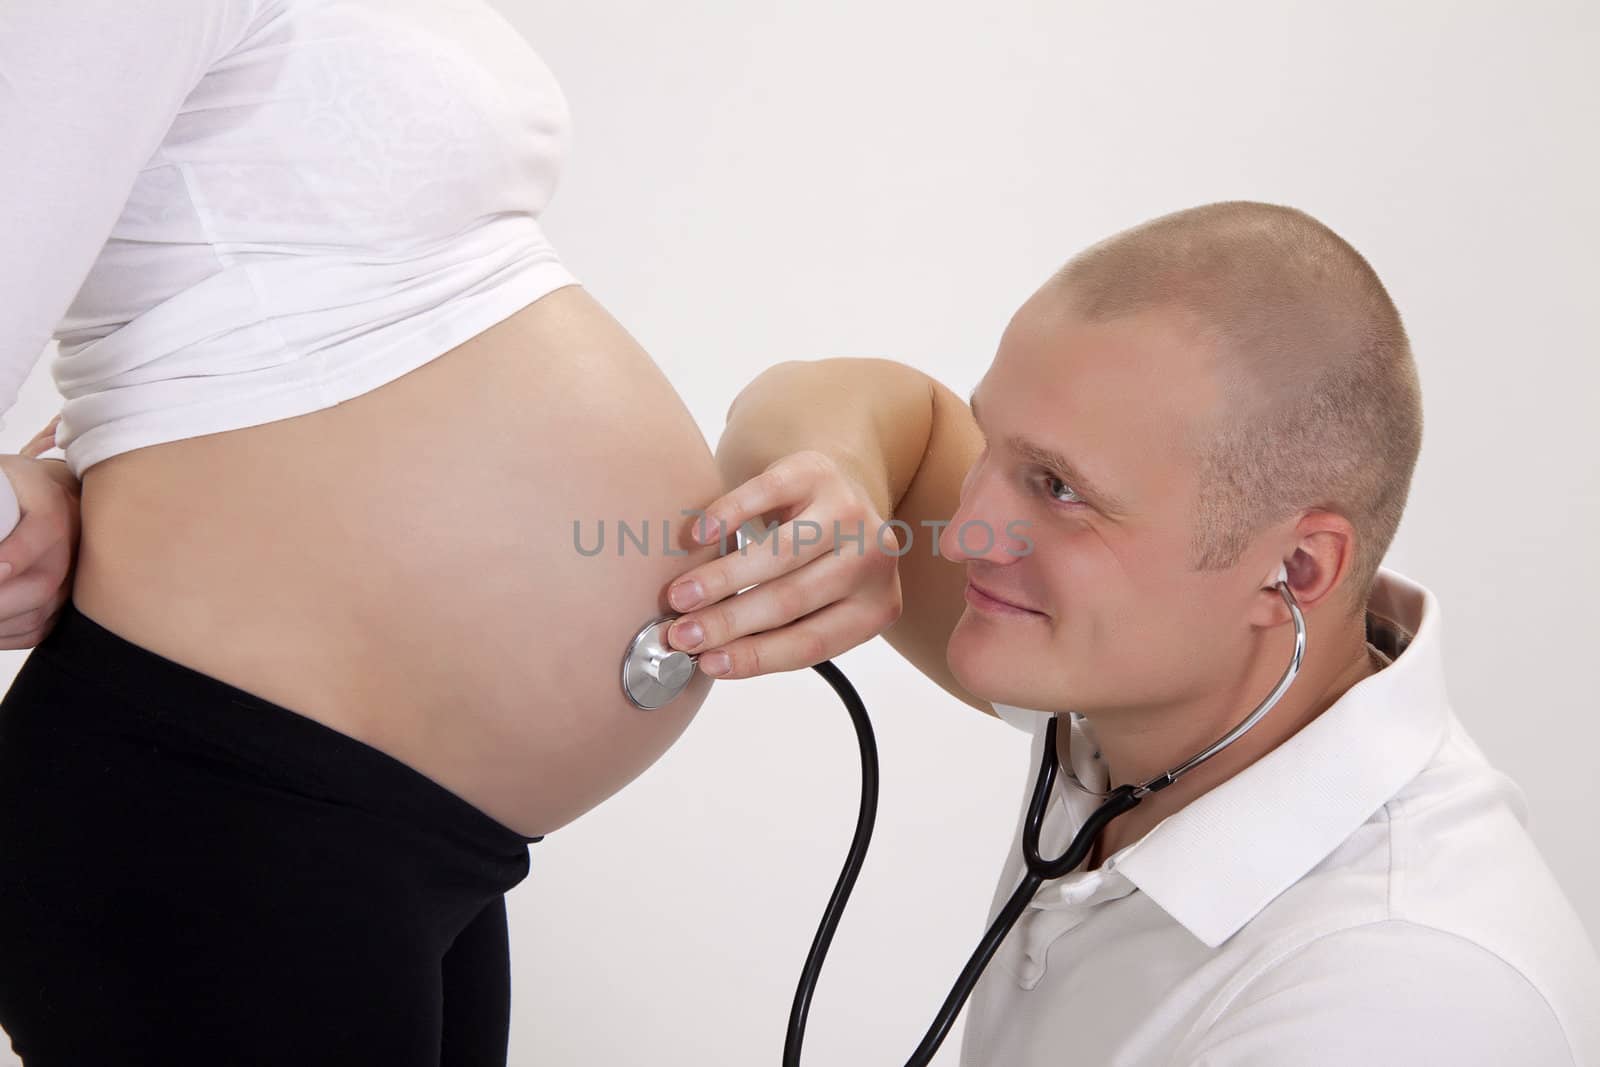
1317	562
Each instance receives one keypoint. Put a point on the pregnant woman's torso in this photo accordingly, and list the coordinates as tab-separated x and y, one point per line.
337	406
403	566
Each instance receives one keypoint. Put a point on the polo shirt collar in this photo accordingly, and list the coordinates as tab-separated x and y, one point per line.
1215	863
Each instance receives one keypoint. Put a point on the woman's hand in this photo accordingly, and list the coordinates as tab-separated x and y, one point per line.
38	557
825	579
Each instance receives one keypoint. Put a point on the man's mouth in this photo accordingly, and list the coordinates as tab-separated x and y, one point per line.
984	600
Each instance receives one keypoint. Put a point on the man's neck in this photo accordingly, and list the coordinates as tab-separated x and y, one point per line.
1135	751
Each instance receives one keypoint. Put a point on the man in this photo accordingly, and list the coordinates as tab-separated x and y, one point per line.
1182	410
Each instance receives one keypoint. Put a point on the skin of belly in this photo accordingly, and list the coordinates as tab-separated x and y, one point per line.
402	567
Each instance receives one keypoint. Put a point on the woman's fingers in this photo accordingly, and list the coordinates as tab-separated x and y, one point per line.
37	557
769	605
31	609
789	480
37	560
824	579
42	442
41	531
784	548
835	629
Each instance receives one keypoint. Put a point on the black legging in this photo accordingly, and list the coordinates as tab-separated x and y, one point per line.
190	874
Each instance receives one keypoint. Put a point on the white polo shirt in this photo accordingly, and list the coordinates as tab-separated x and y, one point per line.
1366	893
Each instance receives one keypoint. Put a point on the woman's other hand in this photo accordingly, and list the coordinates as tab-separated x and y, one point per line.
825	578
38	556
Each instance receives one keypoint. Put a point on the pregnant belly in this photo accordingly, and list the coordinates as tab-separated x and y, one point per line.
416	566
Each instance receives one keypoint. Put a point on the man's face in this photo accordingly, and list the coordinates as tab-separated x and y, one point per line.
1115	620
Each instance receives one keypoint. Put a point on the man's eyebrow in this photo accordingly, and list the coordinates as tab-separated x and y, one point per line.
1047	457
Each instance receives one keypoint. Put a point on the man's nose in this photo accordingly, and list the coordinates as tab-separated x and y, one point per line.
978	529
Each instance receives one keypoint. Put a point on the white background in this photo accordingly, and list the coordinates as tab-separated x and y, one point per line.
752	181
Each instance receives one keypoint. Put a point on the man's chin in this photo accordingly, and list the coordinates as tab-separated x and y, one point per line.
993	665
984	664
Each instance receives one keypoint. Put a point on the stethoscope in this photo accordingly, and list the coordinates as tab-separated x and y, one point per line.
653	673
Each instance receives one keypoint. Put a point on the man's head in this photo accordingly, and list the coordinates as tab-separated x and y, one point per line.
1236	386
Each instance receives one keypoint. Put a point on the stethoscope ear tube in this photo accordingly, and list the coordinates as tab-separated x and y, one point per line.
1116	802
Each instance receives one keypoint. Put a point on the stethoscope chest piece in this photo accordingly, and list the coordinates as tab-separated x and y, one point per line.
653	672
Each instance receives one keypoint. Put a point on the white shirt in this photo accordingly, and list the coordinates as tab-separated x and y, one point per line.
236	211
1366	893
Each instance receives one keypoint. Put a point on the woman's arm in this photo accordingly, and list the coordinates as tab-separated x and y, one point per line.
870	416
935	587
88	91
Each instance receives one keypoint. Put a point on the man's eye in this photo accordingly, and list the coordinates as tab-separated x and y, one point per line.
1054	487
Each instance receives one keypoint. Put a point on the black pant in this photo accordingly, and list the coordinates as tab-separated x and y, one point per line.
191	874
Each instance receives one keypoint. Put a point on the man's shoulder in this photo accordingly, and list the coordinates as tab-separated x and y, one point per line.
1393	990
1439	905
1396	956
1459	858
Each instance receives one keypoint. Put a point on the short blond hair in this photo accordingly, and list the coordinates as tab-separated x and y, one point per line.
1322	405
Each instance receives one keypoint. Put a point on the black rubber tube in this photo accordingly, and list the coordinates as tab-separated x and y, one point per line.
1118	801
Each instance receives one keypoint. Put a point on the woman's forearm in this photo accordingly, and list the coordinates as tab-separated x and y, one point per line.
871	416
